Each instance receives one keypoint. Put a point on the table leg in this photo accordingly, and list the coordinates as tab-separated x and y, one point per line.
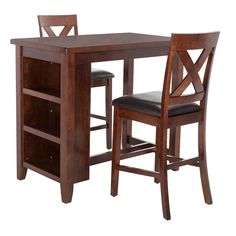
174	142
67	126
127	89
66	191
21	170
82	122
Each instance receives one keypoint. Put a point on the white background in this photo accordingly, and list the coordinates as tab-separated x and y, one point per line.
34	207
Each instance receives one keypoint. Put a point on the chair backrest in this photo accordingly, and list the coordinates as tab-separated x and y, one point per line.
183	46
68	22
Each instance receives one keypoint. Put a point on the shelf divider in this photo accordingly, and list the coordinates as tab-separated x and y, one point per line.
41	95
42	134
41	171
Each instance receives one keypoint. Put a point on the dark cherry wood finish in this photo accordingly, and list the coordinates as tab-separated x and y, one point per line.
181	45
66	97
69	23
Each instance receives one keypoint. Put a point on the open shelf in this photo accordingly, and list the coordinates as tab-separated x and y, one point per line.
42	115
42	156
41	76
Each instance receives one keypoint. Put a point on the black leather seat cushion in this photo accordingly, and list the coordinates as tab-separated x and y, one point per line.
150	103
101	74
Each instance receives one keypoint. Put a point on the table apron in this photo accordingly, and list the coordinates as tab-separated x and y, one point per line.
39	54
83	58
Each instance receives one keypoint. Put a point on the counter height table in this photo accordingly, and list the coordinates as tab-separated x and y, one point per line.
53	101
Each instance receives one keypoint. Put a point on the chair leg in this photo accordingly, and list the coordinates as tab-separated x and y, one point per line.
157	161
203	162
161	136
116	153
109	112
174	143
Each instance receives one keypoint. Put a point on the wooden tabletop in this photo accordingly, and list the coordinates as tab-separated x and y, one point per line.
95	42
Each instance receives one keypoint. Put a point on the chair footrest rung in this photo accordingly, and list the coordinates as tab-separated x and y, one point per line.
173	158
192	161
125	153
138	150
138	171
98	117
98	127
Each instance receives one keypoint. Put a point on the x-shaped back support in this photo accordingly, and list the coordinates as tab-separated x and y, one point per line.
192	70
65	31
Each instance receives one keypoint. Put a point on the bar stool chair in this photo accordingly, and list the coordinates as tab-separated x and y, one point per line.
99	78
165	109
